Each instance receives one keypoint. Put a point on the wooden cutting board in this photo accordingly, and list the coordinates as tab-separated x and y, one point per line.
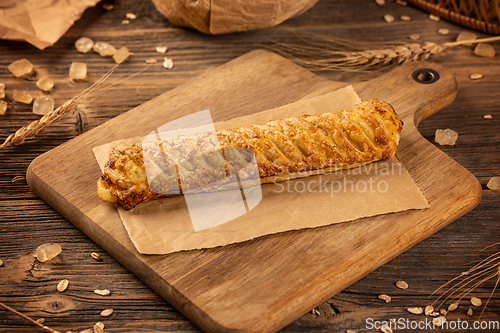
264	284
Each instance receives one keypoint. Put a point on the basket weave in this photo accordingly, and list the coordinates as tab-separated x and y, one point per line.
482	15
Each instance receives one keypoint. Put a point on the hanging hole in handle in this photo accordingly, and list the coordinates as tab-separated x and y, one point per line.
425	75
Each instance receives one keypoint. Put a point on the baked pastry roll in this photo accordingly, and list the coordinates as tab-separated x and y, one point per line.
283	149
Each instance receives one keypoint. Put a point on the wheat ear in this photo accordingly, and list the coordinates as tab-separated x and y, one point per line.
36	126
32	129
322	53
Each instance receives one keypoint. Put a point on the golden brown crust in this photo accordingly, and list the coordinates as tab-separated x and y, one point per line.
368	132
125	177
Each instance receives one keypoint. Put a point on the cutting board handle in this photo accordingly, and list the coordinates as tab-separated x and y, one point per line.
416	90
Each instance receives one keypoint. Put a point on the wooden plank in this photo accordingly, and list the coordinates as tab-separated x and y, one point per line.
425	267
265	291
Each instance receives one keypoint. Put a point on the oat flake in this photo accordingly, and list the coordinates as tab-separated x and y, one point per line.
388	18
402	285
415	310
475	301
168	63
161	49
103	292
439	321
386	329
452	306
385	298
99	327
19	179
434	17
107	312
429	310
62	285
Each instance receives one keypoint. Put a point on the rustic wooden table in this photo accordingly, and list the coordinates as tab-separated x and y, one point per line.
26	221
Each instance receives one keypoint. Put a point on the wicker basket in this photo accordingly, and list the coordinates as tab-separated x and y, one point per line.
482	15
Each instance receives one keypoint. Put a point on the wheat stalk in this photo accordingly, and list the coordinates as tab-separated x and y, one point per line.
36	126
486	269
33	128
46	328
322	53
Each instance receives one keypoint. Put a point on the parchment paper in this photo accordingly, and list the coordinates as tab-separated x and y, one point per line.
164	226
39	22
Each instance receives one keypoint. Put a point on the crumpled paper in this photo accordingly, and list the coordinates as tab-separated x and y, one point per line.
225	16
40	22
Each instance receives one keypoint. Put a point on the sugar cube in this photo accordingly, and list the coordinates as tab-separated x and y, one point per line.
78	71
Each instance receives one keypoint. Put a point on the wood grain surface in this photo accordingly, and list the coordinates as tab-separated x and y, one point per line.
26	221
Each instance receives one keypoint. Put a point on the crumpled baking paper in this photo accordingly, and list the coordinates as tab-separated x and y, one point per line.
39	22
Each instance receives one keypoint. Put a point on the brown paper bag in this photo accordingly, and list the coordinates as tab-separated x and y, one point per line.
224	16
